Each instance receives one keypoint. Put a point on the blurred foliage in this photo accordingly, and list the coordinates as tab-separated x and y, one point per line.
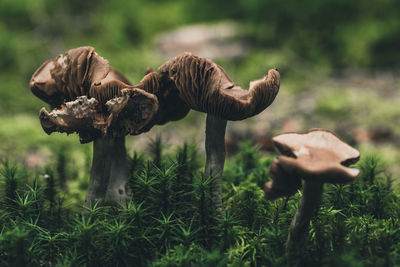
334	32
334	105
344	33
169	221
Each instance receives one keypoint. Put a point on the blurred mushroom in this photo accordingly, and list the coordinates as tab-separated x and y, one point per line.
317	156
90	98
189	82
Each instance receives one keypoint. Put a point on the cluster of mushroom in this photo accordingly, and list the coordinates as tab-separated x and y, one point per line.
317	156
98	103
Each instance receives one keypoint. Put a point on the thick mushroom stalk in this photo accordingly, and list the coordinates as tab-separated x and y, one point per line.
317	156
109	174
90	98
189	82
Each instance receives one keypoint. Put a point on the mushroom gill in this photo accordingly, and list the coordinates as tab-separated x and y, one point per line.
204	86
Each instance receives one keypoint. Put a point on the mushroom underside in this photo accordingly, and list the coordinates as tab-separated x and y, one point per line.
317	155
126	114
204	86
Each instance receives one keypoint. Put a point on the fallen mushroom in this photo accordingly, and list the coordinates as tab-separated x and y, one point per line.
317	156
189	82
90	98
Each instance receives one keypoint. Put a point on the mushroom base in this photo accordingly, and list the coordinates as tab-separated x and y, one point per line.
109	174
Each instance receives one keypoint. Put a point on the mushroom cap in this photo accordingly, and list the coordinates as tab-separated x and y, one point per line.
69	75
319	140
204	86
80	71
170	106
44	86
89	97
317	155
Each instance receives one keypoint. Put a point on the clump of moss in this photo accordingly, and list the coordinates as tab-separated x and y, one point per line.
170	220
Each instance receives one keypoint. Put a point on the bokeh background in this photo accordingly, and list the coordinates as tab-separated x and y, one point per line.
339	62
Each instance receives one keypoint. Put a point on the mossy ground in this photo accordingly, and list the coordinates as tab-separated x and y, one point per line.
170	220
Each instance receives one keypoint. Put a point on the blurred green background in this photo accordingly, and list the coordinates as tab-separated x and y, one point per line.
339	62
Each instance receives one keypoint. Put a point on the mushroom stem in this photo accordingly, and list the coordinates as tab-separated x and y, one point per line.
215	156
118	189
109	174
99	174
310	200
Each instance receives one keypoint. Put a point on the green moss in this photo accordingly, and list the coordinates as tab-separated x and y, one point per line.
169	220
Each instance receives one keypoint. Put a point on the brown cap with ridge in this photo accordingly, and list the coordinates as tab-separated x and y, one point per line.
204	86
317	155
89	97
189	82
69	75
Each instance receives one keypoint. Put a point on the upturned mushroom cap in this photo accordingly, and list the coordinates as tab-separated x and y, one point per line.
89	97
204	86
317	155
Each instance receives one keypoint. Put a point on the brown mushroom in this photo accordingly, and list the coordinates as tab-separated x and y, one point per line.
97	102
182	83
189	82
317	156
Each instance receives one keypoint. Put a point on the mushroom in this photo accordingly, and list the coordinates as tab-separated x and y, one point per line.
318	156
189	82
90	98
71	81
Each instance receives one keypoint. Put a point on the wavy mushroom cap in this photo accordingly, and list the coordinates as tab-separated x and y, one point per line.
317	155
69	75
92	99
204	86
44	86
170	106
78	72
